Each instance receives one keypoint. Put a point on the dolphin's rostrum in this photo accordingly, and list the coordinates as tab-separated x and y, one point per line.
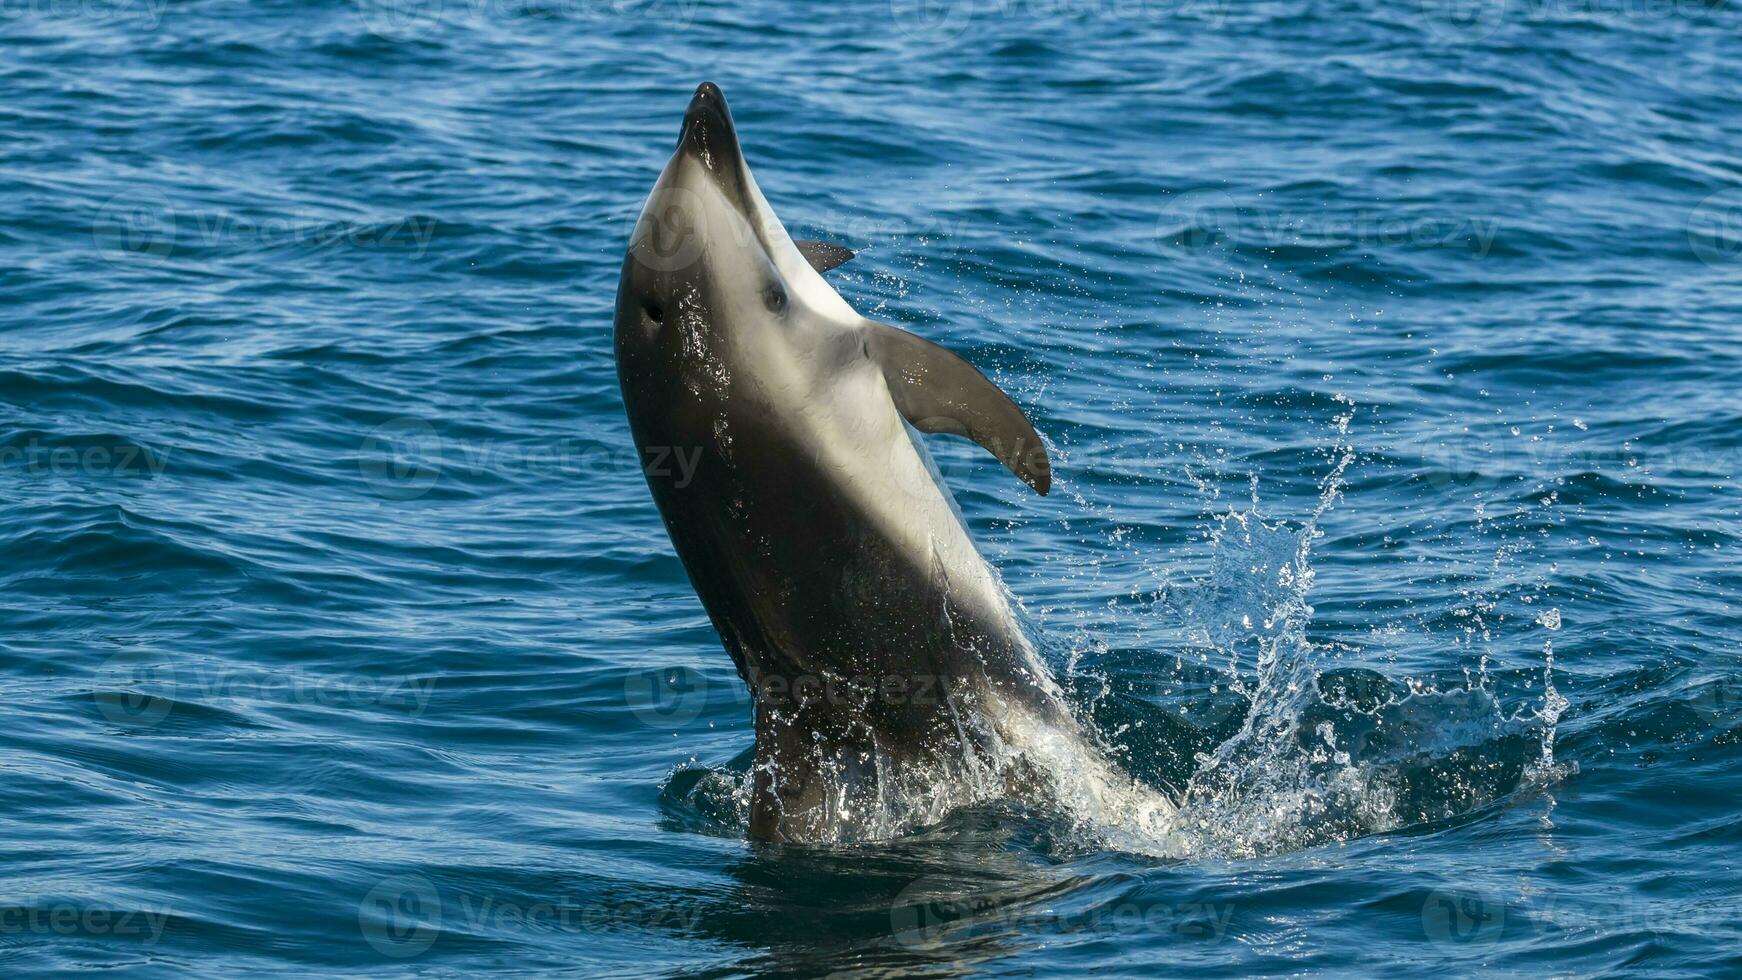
891	679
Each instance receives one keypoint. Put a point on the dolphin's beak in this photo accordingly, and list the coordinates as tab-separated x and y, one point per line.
708	133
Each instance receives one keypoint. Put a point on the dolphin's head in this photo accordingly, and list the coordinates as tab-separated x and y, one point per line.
708	251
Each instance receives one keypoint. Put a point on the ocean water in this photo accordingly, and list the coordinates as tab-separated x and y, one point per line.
1389	355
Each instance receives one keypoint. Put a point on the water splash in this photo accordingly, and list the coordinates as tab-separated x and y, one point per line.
1327	754
1322	753
1014	755
1546	769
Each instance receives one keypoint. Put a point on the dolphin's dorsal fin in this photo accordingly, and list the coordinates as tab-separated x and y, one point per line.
937	391
823	256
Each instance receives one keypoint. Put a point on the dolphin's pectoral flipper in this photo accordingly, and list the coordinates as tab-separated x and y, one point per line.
823	256
937	391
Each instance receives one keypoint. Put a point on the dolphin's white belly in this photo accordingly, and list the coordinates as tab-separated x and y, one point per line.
850	424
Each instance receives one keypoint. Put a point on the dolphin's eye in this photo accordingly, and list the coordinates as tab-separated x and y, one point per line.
651	308
775	297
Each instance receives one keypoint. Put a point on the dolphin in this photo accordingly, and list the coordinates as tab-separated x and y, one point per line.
890	676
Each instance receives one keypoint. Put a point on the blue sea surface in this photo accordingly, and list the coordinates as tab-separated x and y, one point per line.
1390	355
